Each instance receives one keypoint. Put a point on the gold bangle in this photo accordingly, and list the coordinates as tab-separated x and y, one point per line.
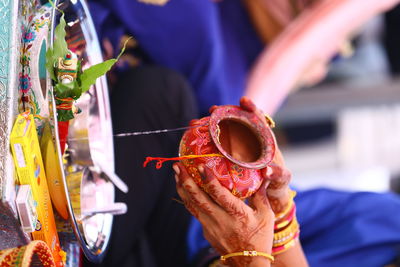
289	206
285	235
284	248
247	253
287	220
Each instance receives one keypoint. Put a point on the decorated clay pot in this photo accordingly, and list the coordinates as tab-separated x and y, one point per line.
239	144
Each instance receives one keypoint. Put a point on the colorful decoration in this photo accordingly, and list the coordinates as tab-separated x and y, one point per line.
236	171
30	91
24	256
70	81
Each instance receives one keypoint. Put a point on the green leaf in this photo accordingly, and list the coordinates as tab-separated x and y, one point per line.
64	115
50	64
90	75
64	90
60	48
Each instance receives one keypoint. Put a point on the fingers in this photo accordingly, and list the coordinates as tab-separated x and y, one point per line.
194	122
195	199
278	176
211	110
278	157
278	187
259	201
228	202
247	104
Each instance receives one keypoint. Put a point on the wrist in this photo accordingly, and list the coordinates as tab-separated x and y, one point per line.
262	262
282	200
248	258
248	262
259	262
281	193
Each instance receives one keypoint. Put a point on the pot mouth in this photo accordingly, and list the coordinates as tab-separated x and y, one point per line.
242	137
239	140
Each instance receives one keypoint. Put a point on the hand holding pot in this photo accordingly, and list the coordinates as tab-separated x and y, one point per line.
228	223
235	143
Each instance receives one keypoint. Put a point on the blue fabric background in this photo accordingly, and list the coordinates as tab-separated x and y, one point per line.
340	228
212	44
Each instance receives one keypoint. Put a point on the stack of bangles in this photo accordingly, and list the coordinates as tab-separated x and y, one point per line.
286	232
286	228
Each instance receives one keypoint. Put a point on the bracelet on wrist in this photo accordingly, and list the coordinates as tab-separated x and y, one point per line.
289	230
279	216
280	249
287	220
247	253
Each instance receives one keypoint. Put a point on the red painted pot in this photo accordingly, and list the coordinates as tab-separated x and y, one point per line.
243	139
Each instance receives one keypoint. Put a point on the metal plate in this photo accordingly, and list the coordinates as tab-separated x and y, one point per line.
89	173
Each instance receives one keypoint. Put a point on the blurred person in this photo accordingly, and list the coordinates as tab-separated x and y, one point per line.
153	231
213	44
195	38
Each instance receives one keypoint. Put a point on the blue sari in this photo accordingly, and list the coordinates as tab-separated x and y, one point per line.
212	44
339	228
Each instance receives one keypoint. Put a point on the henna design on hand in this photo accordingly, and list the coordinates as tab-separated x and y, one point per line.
193	197
228	223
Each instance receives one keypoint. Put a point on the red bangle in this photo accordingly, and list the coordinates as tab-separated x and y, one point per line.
287	220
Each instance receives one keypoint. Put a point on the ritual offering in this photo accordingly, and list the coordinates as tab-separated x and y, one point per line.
53	172
69	79
53	75
30	169
242	139
26	208
235	143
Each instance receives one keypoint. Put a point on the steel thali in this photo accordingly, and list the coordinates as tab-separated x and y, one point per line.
88	171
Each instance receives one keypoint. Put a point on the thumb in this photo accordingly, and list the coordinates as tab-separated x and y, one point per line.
247	104
212	108
259	201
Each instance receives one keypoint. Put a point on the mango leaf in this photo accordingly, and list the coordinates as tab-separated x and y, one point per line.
50	64
90	75
64	90
59	49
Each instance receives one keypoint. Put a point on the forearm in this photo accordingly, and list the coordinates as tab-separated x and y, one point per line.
249	262
259	262
292	257
279	199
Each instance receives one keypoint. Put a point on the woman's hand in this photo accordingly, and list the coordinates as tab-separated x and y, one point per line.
279	177
228	223
279	196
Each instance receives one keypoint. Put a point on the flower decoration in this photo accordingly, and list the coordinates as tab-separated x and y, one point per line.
25	83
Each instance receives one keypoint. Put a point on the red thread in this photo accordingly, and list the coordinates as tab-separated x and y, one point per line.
160	160
66	103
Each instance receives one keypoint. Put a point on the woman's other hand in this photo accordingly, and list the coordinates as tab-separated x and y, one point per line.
279	177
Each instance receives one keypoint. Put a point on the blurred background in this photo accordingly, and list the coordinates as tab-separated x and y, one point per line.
344	133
